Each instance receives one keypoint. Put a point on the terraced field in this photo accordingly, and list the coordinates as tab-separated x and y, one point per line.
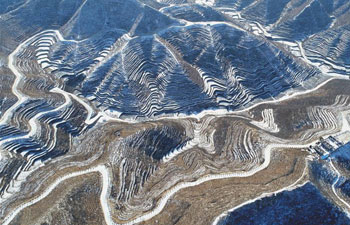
193	109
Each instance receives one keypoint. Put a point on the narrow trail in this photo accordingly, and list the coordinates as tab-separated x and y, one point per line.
103	198
168	194
21	97
268	194
345	127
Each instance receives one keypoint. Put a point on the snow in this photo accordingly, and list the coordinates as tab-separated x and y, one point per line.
103	198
